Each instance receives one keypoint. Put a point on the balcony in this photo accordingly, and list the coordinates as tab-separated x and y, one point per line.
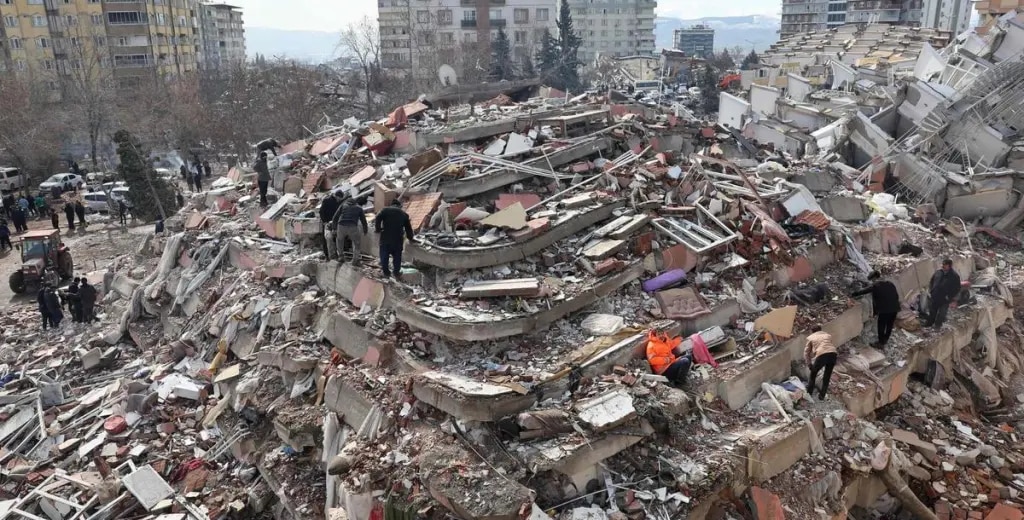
472	3
498	23
469	24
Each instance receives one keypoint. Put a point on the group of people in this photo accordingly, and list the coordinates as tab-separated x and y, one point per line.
820	352
79	298
194	177
344	222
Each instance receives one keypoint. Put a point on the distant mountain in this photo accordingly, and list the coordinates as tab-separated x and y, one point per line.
730	31
307	46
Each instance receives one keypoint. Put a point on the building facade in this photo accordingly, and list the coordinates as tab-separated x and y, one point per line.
989	10
614	28
128	40
419	36
222	34
801	16
696	41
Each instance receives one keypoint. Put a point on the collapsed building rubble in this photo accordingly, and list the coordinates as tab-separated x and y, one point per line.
237	373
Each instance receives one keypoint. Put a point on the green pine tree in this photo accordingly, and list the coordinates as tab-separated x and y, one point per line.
528	70
709	90
569	42
750	60
147	192
547	58
501	57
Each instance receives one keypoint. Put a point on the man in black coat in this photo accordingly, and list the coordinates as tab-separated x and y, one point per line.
43	311
69	212
350	225
87	296
52	302
328	209
392	225
885	300
943	289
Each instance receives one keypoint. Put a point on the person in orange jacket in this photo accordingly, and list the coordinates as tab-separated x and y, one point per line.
663	360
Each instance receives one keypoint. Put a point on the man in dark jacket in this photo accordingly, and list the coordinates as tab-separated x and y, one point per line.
943	289
392	224
43	311
87	295
80	211
5	237
262	177
52	302
69	212
347	223
885	301
207	169
268	145
74	301
328	209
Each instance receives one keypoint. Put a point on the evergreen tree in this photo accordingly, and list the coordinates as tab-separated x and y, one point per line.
528	70
709	90
501	57
750	60
547	58
147	192
569	42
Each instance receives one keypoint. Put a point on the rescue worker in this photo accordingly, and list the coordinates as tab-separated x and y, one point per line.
74	302
662	357
44	313
347	222
87	296
820	353
69	213
262	177
943	289
122	212
328	209
53	307
390	225
885	301
80	211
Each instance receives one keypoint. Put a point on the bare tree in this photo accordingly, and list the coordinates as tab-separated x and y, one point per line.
30	127
361	41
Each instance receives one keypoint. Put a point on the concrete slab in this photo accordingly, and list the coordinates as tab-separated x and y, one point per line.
467	399
147	486
985	204
845	209
776	449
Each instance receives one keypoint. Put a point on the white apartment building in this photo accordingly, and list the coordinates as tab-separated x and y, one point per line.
222	34
421	35
799	16
614	27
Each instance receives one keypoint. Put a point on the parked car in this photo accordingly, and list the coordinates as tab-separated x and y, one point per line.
63	180
96	202
107	186
11	179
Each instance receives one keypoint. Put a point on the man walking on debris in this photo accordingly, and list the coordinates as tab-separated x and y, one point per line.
122	212
328	210
262	177
80	211
74	301
52	304
69	212
885	300
943	289
820	353
44	312
662	358
391	223
348	220
87	296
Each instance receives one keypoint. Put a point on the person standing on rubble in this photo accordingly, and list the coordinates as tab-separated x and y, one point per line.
80	211
87	299
54	218
347	222
69	212
328	210
885	301
943	289
391	224
207	169
74	301
262	177
820	353
51	303
41	209
44	312
122	212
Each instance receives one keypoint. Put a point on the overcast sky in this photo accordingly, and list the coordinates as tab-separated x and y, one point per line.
332	15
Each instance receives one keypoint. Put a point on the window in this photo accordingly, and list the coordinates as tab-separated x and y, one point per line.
42	43
47	64
422	16
131	60
21	65
38	20
444	17
127	18
76	64
35	2
97	19
447	37
495	14
521	15
469	16
6	2
52	85
100	41
160	20
15	43
520	37
71	20
542	15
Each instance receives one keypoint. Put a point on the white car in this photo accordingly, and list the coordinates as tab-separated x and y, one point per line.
96	202
63	181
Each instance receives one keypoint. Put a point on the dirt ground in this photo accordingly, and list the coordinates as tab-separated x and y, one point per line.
92	249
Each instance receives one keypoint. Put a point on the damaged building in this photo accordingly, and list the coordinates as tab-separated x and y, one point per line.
237	373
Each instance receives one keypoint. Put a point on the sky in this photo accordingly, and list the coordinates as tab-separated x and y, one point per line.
333	15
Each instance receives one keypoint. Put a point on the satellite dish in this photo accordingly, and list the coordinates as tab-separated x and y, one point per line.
447	75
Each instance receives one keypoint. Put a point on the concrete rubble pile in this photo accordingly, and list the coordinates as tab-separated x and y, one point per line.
237	373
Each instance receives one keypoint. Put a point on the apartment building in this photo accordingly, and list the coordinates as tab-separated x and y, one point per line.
421	35
222	34
132	39
696	41
800	16
614	27
989	10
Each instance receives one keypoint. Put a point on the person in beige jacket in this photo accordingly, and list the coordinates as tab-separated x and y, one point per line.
820	353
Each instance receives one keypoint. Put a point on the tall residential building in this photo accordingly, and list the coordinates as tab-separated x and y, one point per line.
800	16
614	27
989	10
421	35
133	39
222	34
696	41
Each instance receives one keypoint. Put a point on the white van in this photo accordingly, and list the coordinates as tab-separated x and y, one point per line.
11	179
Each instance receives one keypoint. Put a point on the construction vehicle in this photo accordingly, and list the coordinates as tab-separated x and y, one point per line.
43	259
729	81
